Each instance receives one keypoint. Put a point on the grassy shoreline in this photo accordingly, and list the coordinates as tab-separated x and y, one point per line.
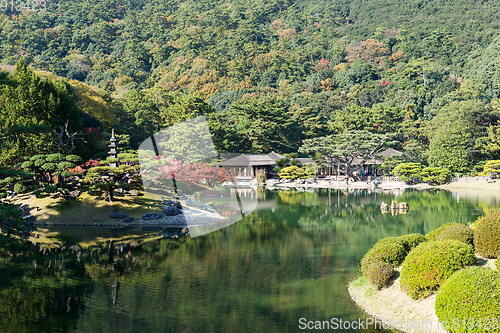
89	209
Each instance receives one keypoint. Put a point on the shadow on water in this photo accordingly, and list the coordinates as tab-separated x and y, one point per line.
290	259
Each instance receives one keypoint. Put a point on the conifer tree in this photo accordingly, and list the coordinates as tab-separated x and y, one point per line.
31	108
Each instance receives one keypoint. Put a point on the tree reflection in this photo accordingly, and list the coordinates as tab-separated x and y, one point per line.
292	258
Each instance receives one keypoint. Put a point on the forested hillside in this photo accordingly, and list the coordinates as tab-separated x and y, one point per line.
270	74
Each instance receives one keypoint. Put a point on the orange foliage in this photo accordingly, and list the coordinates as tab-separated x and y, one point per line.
340	67
326	85
396	56
370	50
287	33
276	24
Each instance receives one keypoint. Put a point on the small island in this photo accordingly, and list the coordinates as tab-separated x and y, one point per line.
445	281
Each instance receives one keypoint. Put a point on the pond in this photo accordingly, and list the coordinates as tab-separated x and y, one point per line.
292	258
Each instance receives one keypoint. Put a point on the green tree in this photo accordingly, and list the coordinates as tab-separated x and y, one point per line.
294	172
145	111
408	172
436	176
347	148
455	130
491	168
263	124
30	105
46	167
191	106
490	144
106	179
378	119
11	223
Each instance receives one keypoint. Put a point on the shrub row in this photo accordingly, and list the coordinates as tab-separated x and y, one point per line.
390	251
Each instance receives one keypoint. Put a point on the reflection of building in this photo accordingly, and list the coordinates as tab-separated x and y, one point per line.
245	166
242	192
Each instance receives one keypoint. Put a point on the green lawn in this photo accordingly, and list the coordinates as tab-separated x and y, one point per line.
88	209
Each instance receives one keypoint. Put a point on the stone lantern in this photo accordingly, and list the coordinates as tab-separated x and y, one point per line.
113	153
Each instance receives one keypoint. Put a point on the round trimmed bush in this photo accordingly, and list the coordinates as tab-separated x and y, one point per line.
429	264
472	294
390	251
436	232
379	274
391	240
458	232
487	235
412	240
20	187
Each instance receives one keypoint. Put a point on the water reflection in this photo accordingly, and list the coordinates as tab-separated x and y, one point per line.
290	259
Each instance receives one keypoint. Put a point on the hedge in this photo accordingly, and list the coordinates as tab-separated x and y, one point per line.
429	264
389	250
20	188
458	232
410	241
468	298
436	232
379	274
487	235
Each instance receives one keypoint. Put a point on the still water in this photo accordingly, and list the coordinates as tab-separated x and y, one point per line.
292	258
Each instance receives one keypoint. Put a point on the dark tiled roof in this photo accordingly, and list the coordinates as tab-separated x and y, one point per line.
274	156
389	152
379	159
245	160
305	160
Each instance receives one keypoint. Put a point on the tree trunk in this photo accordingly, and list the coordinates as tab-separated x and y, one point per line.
111	191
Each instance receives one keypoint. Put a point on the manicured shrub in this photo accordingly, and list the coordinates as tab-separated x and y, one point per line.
436	232
487	235
20	188
429	264
458	232
473	225
491	169
391	240
412	240
468	298
435	175
294	172
379	274
389	251
408	172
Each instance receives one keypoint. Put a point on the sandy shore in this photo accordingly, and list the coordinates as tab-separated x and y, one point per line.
396	309
393	307
482	186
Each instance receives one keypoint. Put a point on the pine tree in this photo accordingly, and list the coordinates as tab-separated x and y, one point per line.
31	108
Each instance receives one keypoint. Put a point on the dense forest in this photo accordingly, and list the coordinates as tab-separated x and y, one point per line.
266	74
